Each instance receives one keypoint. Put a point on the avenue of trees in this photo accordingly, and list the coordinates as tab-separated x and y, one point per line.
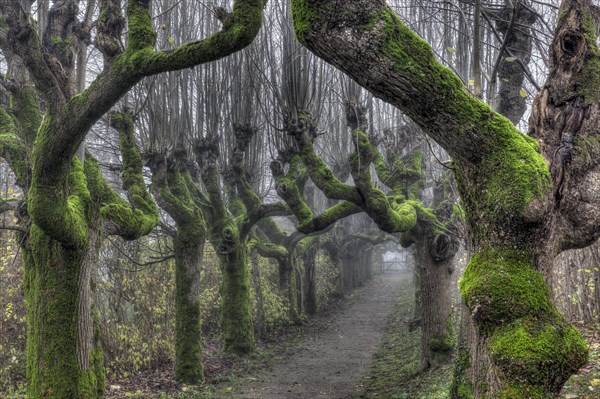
220	141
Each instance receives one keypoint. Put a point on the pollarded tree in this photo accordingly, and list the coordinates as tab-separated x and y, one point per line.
526	198
435	240
67	204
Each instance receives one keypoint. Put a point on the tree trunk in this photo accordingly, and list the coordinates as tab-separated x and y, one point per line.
188	249
437	336
236	311
515	23
416	323
310	289
293	292
260	310
288	282
65	359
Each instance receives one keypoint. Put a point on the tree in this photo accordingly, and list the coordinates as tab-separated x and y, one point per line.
68	205
521	211
435	240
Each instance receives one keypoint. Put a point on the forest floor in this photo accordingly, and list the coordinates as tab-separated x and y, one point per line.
361	349
326	357
333	353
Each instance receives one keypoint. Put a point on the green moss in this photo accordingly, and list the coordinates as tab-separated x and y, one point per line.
406	216
51	281
517	173
14	150
131	220
141	31
63	43
461	387
236	310
539	353
188	250
512	176
93	380
530	342
303	17
288	190
26	110
140	59
323	177
330	215
501	286
441	343
586	149
268	249
404	178
588	81
287	187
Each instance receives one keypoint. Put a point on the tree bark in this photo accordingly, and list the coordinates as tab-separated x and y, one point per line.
171	179
188	251
435	276
238	330
310	280
64	357
515	23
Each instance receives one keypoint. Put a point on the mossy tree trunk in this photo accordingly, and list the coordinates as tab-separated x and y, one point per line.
237	324
521	212
435	301
309	259
63	346
514	22
189	250
229	232
54	365
169	179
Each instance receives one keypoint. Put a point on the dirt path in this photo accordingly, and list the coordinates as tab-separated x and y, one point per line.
330	360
